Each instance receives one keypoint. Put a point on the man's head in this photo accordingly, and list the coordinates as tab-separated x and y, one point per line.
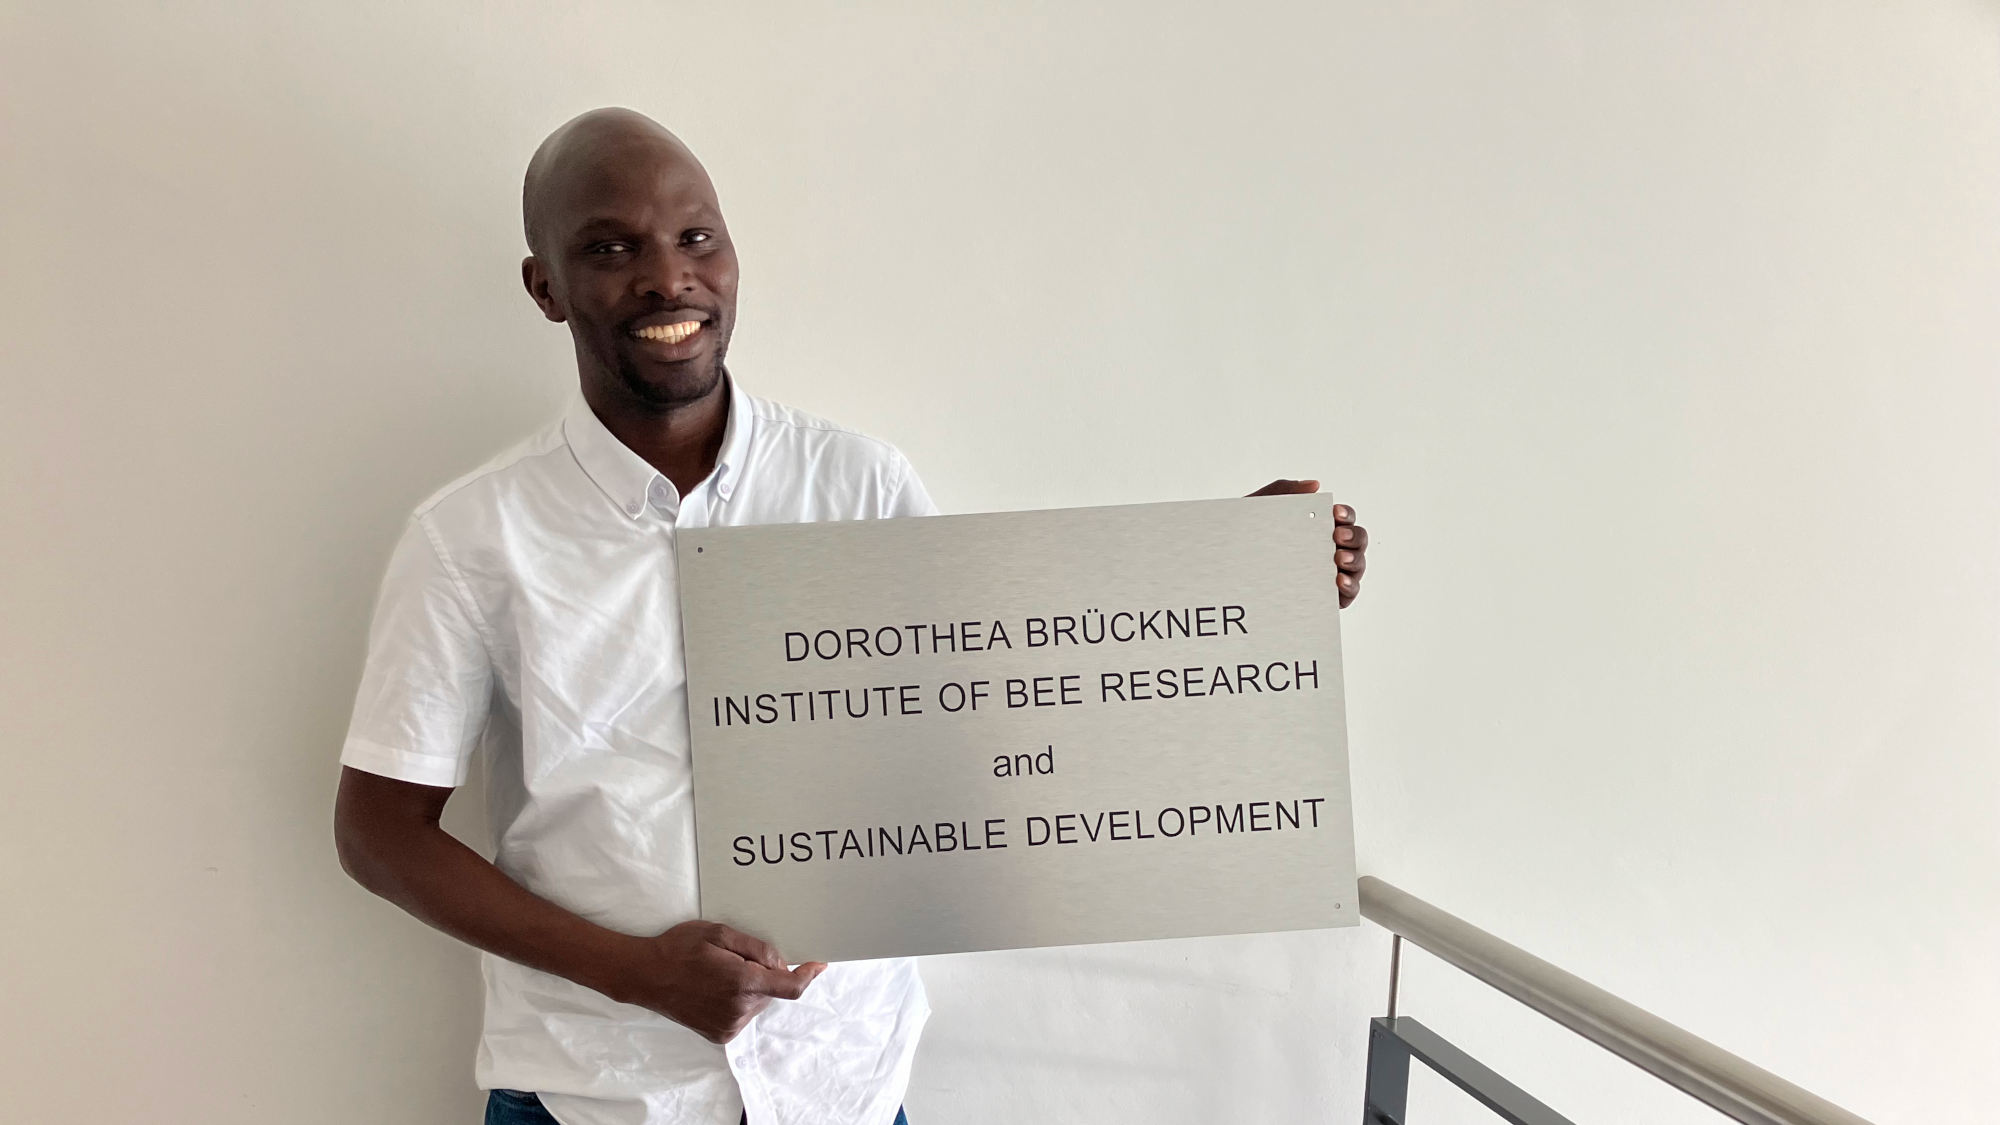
627	246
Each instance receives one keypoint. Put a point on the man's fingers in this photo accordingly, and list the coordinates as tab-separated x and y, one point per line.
1351	562
1353	537
755	950
1343	515
785	984
1288	488
1348	586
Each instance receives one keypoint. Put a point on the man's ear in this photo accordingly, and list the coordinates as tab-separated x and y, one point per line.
537	280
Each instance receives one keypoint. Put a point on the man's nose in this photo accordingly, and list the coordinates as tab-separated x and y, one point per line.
664	271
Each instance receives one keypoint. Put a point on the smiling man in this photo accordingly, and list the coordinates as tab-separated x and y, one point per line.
530	613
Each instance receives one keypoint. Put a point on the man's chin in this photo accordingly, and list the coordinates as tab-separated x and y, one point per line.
669	386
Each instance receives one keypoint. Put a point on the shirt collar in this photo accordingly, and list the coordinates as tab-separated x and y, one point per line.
627	479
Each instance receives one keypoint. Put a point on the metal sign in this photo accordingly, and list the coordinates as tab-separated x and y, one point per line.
1019	729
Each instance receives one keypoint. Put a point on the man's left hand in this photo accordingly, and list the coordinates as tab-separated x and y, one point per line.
1350	539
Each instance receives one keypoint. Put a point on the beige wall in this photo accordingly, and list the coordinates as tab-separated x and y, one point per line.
1656	341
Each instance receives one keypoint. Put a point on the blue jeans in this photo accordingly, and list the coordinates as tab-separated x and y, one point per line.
512	1107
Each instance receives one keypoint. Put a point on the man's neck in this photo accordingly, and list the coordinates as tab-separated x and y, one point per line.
681	442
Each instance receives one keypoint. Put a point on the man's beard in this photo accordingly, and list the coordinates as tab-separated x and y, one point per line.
691	384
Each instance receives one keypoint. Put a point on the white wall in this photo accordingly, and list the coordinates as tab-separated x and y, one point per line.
1656	342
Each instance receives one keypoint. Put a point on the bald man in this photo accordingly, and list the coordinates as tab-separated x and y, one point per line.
530	612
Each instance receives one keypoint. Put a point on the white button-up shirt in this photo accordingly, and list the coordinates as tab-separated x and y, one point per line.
531	610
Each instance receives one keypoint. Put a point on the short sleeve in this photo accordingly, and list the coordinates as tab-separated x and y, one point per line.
909	499
425	688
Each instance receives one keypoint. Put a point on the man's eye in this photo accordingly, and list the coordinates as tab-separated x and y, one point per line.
696	236
609	248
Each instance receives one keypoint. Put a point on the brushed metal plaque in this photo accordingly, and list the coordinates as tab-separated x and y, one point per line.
1019	729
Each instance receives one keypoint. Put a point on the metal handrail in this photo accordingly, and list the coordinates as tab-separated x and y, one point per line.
1725	1082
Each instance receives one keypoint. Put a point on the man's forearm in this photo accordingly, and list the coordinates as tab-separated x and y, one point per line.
428	872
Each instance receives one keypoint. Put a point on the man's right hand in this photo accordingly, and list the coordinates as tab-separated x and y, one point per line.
712	979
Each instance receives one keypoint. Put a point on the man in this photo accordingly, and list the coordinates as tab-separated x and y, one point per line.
531	608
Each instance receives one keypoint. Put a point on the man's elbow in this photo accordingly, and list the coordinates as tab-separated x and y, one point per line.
365	838
354	845
382	826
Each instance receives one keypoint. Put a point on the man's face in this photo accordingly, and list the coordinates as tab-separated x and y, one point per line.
636	259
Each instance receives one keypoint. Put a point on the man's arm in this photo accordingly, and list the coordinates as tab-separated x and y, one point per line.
703	975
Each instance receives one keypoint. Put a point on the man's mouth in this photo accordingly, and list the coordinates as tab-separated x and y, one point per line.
674	333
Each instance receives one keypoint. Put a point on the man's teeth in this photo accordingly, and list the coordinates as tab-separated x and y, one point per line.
670	333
